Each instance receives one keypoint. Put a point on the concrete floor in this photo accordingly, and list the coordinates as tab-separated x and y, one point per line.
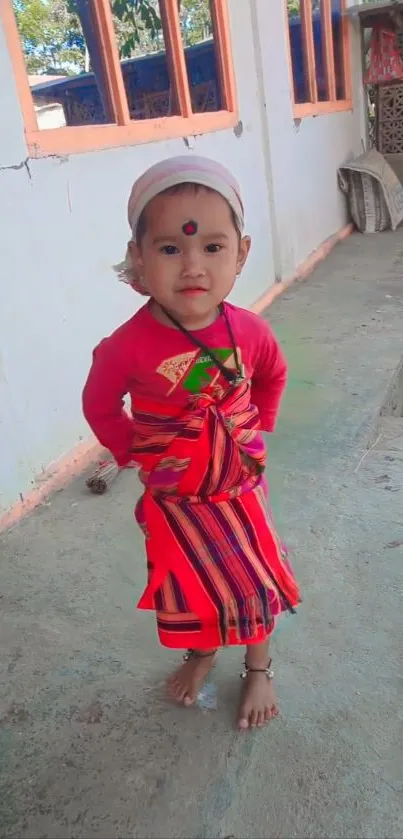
89	748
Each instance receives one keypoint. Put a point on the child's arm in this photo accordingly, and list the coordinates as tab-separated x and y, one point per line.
103	403
269	378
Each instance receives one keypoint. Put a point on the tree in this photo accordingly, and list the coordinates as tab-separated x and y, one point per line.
51	36
53	41
138	26
196	22
137	22
294	7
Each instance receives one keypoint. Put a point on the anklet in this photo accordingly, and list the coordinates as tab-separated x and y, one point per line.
267	670
196	654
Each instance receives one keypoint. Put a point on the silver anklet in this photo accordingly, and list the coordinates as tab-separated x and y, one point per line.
267	670
189	654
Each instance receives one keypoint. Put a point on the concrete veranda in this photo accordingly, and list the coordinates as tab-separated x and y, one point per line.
89	747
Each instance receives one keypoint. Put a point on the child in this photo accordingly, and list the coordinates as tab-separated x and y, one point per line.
204	377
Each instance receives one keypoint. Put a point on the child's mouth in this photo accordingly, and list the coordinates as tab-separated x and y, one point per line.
192	292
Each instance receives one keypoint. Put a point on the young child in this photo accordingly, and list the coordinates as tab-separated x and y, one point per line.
204	378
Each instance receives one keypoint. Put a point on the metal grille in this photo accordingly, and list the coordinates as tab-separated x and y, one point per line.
389	118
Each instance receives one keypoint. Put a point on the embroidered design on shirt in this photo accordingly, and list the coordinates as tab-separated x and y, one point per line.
195	371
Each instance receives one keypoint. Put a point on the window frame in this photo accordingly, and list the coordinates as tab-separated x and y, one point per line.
313	107
76	139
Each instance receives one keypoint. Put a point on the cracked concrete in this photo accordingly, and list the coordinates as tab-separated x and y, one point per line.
89	747
25	164
28	161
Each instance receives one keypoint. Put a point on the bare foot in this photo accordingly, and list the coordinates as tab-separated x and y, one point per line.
185	683
258	703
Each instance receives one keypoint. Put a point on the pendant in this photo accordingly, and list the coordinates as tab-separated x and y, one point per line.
240	378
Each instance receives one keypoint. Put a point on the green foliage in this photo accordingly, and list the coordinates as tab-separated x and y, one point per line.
293	7
53	42
137	23
195	21
51	37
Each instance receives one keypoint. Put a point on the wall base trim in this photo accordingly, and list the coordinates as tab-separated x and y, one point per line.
304	270
54	477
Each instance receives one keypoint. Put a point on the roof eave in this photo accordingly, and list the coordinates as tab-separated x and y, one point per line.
370	11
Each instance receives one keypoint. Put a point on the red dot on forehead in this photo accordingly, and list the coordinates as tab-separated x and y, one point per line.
190	228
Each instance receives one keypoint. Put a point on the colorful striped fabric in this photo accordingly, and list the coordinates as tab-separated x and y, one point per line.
218	574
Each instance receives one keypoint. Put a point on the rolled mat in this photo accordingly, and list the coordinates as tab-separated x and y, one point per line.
103	476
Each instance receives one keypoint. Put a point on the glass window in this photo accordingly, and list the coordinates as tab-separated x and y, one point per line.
338	45
318	53
117	65
144	61
318	25
65	68
298	60
200	54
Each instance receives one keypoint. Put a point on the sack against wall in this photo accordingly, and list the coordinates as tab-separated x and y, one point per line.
374	192
385	61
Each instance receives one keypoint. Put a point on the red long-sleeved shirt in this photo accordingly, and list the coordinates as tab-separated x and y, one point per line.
144	358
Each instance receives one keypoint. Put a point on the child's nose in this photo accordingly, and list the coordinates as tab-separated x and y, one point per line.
193	264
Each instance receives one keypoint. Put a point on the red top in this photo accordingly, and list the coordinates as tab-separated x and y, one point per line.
144	358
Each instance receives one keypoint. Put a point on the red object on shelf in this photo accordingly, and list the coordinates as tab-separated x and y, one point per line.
385	60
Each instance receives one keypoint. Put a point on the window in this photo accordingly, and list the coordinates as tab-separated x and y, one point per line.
101	73
319	56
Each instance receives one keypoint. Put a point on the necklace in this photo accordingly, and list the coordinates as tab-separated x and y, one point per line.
233	377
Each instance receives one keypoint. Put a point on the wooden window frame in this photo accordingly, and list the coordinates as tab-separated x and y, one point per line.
313	107
75	139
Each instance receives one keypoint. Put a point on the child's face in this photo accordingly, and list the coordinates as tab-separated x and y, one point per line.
189	275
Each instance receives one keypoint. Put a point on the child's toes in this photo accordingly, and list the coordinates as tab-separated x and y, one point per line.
180	694
243	722
176	690
253	718
260	719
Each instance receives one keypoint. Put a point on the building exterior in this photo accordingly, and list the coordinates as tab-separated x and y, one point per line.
63	199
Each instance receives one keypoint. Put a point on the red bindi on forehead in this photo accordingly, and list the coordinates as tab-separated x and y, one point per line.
190	228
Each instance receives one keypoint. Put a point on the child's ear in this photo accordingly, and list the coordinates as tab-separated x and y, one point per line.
137	265
244	248
136	257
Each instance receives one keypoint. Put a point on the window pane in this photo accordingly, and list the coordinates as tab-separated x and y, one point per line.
337	22
64	66
200	55
319	43
297	51
144	60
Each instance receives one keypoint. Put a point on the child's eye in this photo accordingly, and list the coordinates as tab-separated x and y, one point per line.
213	248
169	250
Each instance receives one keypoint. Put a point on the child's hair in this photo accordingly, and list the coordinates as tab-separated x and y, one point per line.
125	269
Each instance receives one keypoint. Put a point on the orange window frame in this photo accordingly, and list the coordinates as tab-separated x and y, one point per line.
125	131
313	107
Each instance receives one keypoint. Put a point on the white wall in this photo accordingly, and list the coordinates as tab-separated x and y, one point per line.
305	155
63	227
